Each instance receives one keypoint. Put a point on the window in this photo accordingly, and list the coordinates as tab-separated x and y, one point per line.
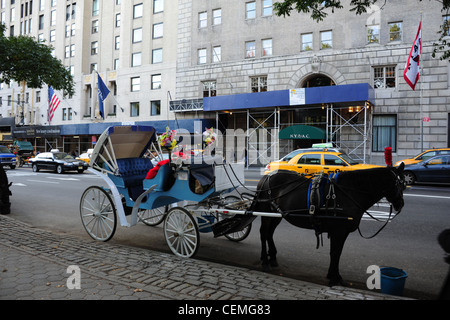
155	108
266	47
72	50
395	31
209	88
72	29
93	67
267	8
38	96
201	56
446	25
384	132
250	10
41	22
134	109
158	30
384	77
332	160
259	84
156	81
137	35
373	34
117	23
137	10
157	56
53	17
202	20
136	59
117	42
217	54
310	159
326	40
158	6
116	64
250	49
95	26
64	113
95	10
94	47
135	84
217	17
67	52
52	35
307	41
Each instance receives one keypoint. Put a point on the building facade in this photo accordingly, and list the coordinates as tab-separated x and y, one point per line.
237	66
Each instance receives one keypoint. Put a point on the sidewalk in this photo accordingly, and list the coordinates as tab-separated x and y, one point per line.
34	264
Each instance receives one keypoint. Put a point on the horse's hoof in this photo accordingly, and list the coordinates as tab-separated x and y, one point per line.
273	263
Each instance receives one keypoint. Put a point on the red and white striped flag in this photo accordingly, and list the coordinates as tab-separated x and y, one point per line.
53	103
412	69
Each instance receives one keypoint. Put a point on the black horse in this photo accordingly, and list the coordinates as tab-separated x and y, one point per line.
332	204
5	205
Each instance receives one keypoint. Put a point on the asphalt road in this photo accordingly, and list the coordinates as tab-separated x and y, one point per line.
51	201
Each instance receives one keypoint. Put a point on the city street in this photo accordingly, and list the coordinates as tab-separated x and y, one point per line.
51	201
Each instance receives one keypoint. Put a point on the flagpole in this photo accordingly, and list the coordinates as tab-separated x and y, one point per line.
421	85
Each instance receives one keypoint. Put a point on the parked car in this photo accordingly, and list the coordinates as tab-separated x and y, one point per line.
423	156
311	162
435	169
57	161
7	158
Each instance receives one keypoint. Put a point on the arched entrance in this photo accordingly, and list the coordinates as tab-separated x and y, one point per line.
299	117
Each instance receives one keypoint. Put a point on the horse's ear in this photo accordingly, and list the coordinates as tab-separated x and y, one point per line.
401	167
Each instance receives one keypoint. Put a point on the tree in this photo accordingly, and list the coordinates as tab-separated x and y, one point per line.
29	62
318	11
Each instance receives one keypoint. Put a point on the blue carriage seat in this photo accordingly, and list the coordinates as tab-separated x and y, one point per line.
161	175
133	172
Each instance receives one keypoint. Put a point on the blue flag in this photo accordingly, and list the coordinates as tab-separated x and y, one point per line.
103	92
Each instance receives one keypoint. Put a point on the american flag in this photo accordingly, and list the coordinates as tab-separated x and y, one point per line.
53	103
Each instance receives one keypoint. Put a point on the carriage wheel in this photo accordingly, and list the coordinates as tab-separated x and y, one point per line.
181	232
153	217
239	235
98	213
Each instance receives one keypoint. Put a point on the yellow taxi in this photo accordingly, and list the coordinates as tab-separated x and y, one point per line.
424	156
311	162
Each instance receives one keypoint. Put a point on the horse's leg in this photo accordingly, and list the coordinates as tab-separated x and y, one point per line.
272	249
337	240
264	233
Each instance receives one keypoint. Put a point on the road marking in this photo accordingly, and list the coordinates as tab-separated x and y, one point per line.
426	196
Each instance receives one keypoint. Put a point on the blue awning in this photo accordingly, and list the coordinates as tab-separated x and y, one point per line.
160	126
342	95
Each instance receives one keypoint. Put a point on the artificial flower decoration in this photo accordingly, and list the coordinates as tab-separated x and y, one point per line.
209	136
167	140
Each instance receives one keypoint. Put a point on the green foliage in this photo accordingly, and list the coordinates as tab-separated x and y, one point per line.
25	59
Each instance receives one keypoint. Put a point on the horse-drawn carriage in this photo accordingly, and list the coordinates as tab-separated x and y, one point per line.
150	193
138	190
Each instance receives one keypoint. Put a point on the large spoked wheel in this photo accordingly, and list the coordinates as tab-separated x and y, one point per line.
98	213
239	235
181	232
152	217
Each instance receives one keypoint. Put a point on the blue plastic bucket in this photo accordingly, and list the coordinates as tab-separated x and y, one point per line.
393	280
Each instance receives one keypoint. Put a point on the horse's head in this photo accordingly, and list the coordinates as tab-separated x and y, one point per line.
394	192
